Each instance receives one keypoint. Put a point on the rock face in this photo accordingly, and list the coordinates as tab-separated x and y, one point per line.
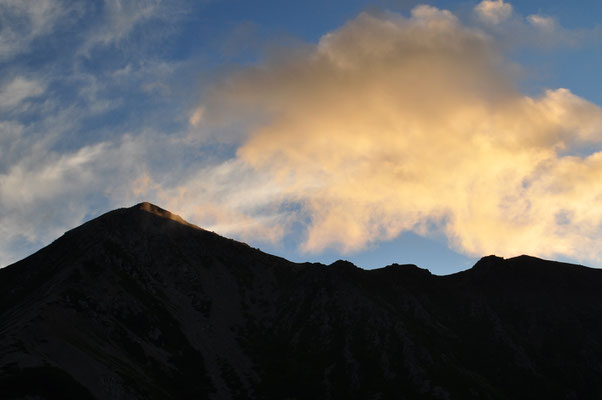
139	304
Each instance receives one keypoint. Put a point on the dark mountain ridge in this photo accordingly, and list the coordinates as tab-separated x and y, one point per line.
138	303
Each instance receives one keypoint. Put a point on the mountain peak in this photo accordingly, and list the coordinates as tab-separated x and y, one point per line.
488	261
343	264
156	210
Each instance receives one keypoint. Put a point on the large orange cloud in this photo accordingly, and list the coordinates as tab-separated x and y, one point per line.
392	124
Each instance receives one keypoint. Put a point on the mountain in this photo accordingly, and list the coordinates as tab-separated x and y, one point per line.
139	304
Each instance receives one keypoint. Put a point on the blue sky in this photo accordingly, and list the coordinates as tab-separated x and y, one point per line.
387	131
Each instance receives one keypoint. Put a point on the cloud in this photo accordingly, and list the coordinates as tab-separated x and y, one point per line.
44	192
230	198
391	124
388	124
542	22
22	22
196	117
75	131
29	188
10	134
546	31
535	31
17	90
493	11
119	19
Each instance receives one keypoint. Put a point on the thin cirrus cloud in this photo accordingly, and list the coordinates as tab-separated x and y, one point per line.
393	124
44	187
22	22
68	146
119	18
18	90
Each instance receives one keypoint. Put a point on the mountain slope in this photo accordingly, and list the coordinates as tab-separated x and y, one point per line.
140	304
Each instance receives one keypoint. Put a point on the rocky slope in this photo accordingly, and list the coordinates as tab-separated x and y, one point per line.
140	304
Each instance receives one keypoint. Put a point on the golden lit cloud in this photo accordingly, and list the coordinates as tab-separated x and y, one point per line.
493	11
392	124
196	117
542	22
230	199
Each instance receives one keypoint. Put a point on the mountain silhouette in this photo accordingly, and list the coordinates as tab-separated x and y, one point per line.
139	304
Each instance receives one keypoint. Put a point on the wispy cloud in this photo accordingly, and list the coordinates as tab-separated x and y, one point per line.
118	19
546	31
45	192
23	21
71	140
18	90
230	198
534	31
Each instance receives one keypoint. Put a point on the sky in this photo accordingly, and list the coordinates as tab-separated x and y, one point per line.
380	132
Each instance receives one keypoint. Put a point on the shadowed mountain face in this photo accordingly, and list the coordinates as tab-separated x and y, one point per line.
140	304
